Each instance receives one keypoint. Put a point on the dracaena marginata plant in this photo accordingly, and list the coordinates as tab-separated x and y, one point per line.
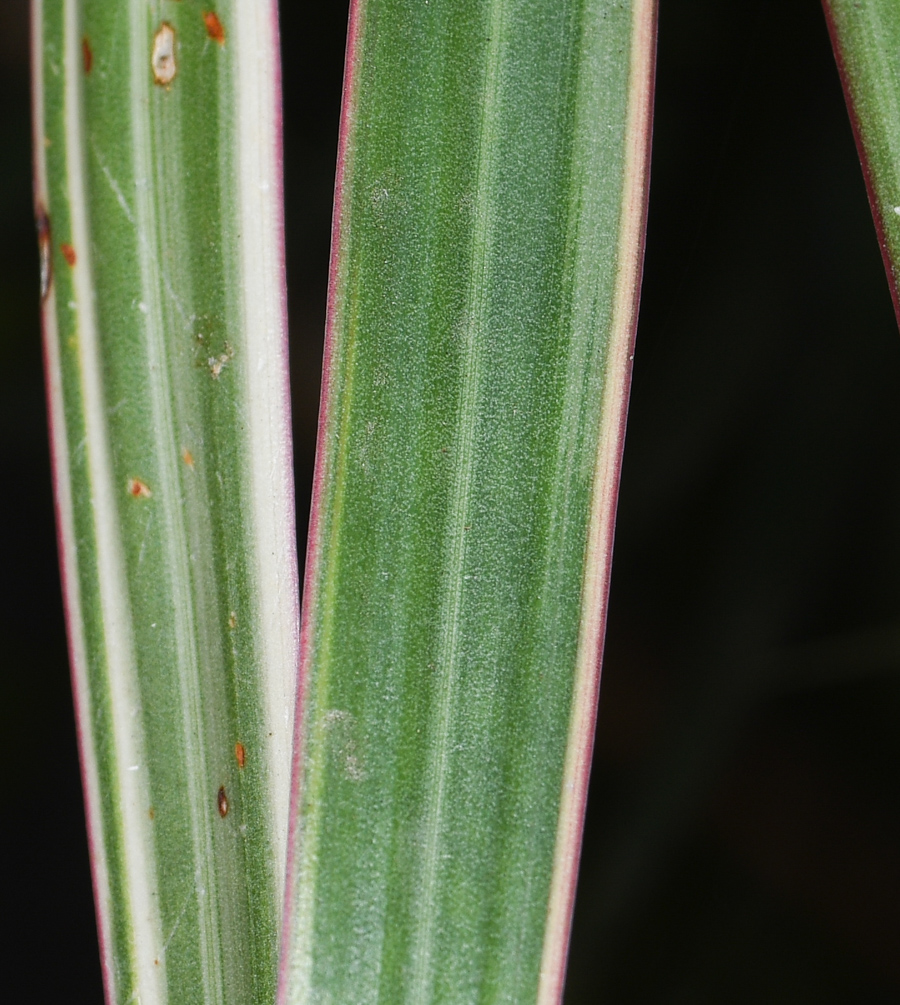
488	231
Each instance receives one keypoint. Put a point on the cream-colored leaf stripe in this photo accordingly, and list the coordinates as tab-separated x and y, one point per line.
264	312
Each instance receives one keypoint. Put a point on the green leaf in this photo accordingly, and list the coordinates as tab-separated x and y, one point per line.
159	204
488	237
866	39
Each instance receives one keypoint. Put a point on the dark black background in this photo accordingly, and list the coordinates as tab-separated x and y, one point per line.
743	836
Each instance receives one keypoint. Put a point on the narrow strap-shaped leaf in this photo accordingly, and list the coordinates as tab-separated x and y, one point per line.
159	205
488	236
865	35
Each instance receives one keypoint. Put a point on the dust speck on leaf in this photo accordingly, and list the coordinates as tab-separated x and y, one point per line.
87	54
341	729
138	489
222	802
217	364
68	253
43	229
214	27
163	58
240	754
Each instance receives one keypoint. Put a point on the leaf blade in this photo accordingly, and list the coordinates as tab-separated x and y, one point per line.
456	471
864	37
164	335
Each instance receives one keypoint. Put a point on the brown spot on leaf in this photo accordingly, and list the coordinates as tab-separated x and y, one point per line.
138	489
187	457
68	253
163	57
214	27
43	229
152	813
87	54
240	754
222	802
232	620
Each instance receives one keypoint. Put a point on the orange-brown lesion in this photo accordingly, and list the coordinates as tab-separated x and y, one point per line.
138	489
214	27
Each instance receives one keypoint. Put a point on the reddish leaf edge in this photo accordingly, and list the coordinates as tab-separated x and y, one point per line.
607	481
313	553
